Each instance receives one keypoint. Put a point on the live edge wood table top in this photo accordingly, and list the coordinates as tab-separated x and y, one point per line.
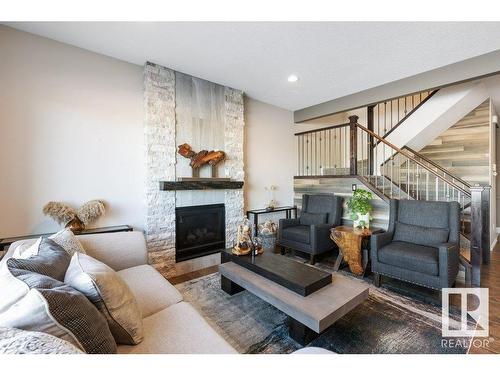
308	315
350	243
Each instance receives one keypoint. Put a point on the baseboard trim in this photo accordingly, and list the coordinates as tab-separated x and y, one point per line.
495	241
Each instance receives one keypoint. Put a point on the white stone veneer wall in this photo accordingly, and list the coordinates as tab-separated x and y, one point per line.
159	129
233	144
161	148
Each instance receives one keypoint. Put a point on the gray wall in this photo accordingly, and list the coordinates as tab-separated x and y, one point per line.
71	130
342	187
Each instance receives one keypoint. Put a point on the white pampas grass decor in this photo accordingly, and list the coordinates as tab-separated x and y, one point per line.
90	211
60	212
75	219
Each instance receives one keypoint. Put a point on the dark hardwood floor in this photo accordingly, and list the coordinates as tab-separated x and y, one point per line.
193	275
490	278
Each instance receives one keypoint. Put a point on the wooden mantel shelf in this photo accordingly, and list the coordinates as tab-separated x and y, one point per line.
200	185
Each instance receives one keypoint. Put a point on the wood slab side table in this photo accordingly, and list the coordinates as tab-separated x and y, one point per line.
352	243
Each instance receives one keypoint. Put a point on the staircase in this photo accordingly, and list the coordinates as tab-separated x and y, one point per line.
459	155
422	179
389	115
463	149
351	150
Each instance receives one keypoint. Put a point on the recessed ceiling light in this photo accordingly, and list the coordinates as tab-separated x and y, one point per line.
293	78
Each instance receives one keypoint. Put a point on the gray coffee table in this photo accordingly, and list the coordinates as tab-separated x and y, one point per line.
308	316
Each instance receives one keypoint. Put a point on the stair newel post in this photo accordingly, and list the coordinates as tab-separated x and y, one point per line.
353	120
485	207
480	233
370	126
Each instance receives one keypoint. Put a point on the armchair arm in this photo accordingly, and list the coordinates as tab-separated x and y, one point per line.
449	259
377	241
320	237
286	223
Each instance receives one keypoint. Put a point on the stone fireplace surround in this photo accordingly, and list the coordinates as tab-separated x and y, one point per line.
167	98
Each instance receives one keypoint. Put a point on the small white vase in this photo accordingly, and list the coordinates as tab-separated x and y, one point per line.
362	218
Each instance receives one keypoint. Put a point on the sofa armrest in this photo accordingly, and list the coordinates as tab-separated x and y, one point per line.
320	237
449	259
378	241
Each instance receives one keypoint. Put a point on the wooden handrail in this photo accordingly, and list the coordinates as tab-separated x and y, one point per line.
323	129
427	160
404	153
408	114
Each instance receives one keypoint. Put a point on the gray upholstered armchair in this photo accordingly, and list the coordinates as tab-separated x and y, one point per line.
421	245
311	232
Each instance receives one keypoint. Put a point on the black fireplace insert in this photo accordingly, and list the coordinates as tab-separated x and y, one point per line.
199	231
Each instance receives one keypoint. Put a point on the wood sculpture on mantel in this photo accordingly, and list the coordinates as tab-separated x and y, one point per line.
199	159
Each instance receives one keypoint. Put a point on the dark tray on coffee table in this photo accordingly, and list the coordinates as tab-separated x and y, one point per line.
298	277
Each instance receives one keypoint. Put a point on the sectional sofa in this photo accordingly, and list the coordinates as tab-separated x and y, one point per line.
170	324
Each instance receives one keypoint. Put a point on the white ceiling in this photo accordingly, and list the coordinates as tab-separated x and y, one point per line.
331	59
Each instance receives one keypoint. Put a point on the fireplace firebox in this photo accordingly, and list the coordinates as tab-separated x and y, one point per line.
199	231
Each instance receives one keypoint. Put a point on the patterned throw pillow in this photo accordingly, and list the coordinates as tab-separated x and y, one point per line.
109	293
57	309
64	238
18	341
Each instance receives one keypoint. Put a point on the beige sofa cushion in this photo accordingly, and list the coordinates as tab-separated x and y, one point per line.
152	292
179	329
118	250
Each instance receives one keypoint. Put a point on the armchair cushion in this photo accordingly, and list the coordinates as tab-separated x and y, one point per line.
409	256
424	213
307	218
420	235
299	233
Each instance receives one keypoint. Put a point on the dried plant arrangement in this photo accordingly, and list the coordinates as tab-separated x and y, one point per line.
90	211
75	219
60	212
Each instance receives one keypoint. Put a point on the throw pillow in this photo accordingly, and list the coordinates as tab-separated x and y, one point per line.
307	218
51	260
64	238
52	307
109	293
18	341
419	235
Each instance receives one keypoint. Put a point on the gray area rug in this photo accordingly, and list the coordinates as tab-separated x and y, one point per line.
386	323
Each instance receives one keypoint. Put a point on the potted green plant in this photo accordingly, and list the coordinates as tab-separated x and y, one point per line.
360	207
